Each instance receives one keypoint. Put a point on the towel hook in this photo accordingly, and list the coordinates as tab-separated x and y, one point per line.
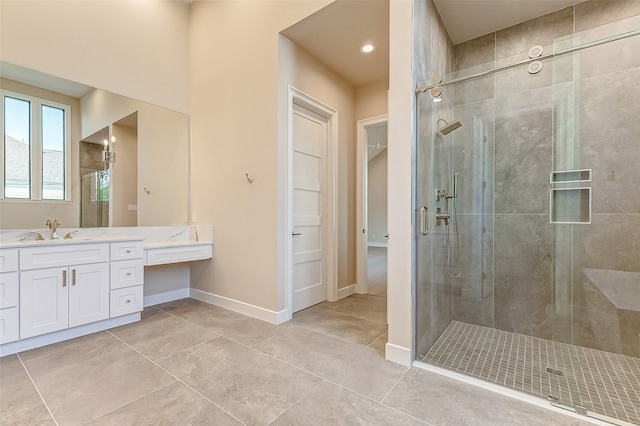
249	178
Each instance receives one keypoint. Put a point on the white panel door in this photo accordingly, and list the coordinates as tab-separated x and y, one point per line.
88	293
309	146
44	301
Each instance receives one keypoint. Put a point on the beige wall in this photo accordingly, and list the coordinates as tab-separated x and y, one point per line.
133	48
377	199
235	120
399	263
307	74
371	100
124	176
163	137
34	214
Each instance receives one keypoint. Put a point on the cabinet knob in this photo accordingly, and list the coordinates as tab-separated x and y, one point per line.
127	251
127	301
128	274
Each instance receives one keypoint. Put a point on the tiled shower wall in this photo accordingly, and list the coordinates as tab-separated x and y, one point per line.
570	283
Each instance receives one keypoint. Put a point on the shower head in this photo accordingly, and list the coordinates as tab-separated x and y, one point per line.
449	127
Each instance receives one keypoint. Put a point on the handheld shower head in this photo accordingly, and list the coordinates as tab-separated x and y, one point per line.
449	127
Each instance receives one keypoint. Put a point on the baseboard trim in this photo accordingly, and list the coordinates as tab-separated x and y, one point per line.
241	307
346	291
398	354
169	296
69	333
377	244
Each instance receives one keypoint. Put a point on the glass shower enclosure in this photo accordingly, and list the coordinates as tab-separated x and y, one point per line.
527	254
94	199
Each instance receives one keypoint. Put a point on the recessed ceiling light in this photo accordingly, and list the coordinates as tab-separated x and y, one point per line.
367	48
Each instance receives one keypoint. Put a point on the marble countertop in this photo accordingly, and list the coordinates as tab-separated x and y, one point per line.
153	236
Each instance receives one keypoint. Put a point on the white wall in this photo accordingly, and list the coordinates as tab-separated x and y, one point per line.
34	214
133	48
235	116
399	254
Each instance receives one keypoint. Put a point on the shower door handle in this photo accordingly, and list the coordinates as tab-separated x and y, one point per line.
423	221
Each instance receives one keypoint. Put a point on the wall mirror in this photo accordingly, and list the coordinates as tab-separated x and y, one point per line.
127	161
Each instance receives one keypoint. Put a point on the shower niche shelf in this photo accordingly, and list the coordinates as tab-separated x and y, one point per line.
570	196
571	205
571	176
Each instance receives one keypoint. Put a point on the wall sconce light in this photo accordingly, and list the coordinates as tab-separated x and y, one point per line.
108	155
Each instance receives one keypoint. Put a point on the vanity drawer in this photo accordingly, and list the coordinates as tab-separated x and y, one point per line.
127	250
8	289
57	255
9	329
127	273
126	301
8	260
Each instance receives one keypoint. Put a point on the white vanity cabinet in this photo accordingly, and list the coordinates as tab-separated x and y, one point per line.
62	296
9	328
127	277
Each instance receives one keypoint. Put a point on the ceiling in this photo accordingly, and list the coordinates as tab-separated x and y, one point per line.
335	33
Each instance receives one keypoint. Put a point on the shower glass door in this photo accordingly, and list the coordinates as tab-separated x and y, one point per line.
95	195
545	224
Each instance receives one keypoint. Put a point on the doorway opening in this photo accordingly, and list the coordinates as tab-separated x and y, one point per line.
372	206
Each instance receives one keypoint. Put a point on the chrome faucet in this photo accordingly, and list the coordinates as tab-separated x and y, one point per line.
37	235
53	226
442	217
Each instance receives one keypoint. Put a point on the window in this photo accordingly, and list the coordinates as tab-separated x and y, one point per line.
35	150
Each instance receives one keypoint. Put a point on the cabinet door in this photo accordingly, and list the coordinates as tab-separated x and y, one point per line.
88	293
44	301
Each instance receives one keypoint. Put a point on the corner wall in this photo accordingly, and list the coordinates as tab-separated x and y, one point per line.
401	98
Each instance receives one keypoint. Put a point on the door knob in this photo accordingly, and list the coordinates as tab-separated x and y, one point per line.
295	234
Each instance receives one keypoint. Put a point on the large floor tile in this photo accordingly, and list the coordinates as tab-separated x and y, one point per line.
353	366
334	305
76	344
370	298
338	324
232	325
82	384
440	400
251	386
371	311
160	334
181	306
380	344
173	405
329	404
17	392
35	416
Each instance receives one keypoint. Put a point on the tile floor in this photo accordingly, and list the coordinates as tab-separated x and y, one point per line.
187	362
604	383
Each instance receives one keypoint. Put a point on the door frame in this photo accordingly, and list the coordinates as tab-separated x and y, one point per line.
300	98
362	168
